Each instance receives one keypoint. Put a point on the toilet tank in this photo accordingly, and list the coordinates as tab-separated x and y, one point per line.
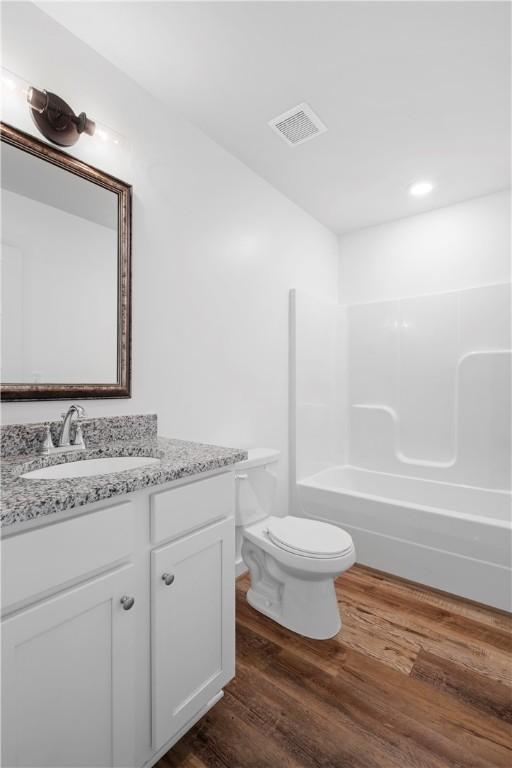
256	483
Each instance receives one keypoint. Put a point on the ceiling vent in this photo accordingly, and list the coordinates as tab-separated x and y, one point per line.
298	125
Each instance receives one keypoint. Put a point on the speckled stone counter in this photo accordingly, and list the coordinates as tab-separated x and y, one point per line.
24	499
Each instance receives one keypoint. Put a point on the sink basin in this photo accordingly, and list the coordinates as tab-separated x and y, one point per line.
88	467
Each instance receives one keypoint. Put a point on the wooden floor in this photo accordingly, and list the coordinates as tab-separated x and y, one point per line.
415	679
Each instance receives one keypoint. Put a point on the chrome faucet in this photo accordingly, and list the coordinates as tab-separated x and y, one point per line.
64	441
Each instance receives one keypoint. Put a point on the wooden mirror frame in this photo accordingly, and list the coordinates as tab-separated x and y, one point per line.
122	387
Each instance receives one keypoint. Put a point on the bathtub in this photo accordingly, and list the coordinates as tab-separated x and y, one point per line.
453	537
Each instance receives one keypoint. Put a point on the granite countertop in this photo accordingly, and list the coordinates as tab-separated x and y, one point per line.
24	499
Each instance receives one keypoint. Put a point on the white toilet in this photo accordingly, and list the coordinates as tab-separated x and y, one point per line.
293	561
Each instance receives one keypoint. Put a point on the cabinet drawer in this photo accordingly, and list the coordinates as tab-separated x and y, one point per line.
45	559
191	506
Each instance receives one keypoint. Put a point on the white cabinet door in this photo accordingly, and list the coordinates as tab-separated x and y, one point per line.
193	625
68	672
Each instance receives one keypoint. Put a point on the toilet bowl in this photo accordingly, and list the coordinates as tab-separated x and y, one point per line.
292	561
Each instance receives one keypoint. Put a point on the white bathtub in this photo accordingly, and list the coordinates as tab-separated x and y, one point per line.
453	537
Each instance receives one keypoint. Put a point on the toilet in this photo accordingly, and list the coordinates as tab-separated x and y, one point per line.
292	561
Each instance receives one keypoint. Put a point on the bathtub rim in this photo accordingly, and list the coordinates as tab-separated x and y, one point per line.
389	501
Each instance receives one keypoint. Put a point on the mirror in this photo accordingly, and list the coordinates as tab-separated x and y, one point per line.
65	275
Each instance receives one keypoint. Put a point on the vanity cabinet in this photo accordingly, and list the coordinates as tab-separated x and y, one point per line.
122	634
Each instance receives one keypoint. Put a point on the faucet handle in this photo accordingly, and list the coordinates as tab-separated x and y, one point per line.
48	442
79	438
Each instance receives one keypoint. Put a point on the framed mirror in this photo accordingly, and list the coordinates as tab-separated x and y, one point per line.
65	275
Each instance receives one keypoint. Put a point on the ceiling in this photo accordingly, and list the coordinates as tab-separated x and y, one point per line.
408	91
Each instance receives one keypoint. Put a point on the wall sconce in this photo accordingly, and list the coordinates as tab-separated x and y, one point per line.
52	116
56	120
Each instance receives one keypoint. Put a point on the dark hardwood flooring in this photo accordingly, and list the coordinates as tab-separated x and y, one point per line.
414	679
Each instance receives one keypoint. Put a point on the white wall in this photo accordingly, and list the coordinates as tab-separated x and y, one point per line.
459	246
215	250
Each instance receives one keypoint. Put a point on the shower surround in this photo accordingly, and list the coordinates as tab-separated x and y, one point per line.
401	432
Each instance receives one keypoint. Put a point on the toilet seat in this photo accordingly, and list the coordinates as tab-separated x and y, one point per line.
308	538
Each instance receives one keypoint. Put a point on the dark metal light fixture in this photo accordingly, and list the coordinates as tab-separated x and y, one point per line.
55	118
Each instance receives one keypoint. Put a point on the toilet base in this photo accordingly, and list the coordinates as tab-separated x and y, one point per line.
329	630
307	606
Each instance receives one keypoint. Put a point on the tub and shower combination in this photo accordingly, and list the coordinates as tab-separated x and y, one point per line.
419	413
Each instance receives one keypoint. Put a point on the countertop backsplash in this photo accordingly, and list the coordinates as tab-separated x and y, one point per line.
27	439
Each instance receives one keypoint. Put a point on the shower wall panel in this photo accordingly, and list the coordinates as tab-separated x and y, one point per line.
429	386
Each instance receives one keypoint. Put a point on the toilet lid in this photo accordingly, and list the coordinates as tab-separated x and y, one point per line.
310	538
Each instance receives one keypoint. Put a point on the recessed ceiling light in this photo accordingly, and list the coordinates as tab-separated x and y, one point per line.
421	188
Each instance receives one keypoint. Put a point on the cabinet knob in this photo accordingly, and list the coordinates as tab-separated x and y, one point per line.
127	602
168	578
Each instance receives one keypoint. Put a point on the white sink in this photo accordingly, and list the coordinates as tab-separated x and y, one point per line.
88	467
